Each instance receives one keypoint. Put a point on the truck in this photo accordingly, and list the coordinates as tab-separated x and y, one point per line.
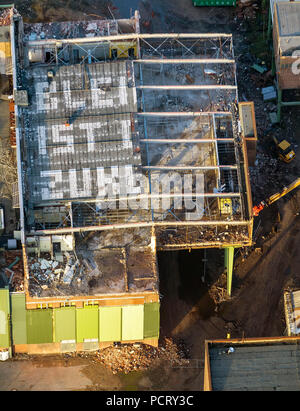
285	150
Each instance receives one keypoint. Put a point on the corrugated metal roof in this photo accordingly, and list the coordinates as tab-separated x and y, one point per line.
267	367
65	160
272	5
288	18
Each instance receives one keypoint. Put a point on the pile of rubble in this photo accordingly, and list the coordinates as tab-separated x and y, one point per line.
137	356
47	272
5	17
190	235
268	175
247	9
218	290
14	269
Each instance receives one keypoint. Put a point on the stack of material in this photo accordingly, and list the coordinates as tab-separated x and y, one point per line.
218	290
5	17
46	270
15	274
269	93
12	125
137	356
247	9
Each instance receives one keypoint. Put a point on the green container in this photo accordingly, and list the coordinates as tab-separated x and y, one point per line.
110	324
87	323
151	320
64	324
133	322
4	319
215	3
18	318
39	326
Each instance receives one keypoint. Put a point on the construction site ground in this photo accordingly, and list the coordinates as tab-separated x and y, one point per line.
194	304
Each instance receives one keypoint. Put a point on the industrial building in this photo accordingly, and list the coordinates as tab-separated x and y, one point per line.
126	144
252	364
284	21
291	311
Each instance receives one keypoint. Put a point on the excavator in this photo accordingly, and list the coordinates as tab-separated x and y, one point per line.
258	208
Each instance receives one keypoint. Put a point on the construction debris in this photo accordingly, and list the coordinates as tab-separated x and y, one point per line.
14	270
247	9
5	17
269	93
218	290
132	357
47	273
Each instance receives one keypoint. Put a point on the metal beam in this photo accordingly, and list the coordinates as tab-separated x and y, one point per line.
193	141
183	113
130	36
189	167
189	87
18	138
216	144
139	224
161	195
184	61
229	257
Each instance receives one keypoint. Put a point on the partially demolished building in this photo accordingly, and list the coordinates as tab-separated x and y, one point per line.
127	143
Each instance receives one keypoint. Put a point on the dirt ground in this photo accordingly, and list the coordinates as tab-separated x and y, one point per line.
190	312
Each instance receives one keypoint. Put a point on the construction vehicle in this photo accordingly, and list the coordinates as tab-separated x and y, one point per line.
285	150
257	209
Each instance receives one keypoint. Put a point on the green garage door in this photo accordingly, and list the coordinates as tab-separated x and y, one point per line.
87	323
64	324
18	317
39	326
151	320
110	323
132	322
4	318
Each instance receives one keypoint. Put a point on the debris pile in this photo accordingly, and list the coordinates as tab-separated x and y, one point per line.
12	124
268	175
247	9
218	290
5	17
137	356
70	29
14	269
192	235
50	273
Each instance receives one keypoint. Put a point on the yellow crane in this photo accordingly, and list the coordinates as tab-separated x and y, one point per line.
257	209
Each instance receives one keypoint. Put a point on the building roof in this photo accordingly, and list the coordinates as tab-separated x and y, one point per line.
78	127
268	366
288	19
95	127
